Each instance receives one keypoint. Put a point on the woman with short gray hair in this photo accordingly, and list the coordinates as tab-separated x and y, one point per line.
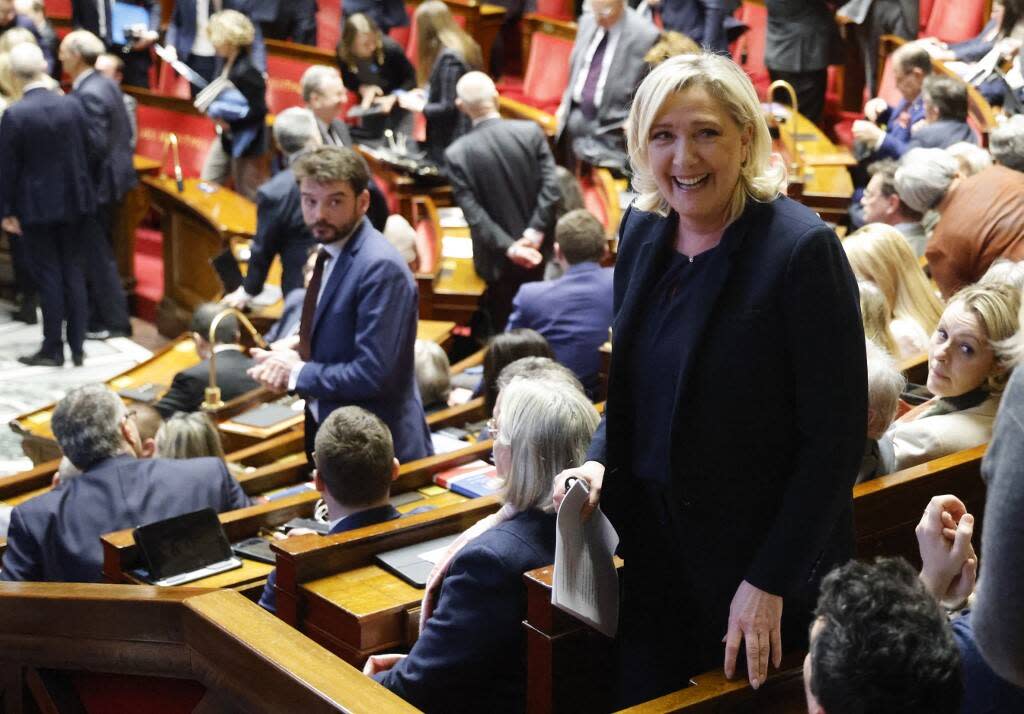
470	651
979	216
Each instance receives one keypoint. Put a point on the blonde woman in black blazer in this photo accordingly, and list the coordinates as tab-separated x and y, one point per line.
737	404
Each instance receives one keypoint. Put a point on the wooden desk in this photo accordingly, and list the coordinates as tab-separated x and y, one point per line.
38	441
117	638
197	225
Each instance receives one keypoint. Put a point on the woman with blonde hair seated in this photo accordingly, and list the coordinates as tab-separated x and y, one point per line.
188	436
470	655
967	372
880	254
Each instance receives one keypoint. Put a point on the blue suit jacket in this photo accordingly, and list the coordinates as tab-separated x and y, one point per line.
364	330
573	312
898	135
280	230
471	656
56	536
369	517
44	152
110	137
703	21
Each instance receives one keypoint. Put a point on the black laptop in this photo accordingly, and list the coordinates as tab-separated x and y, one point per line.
183	549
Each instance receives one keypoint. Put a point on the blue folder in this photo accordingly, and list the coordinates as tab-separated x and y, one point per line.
124	15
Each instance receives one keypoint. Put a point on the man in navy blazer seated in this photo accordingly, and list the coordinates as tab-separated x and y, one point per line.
354	466
910	65
358	326
56	536
113	173
46	193
573	312
189	385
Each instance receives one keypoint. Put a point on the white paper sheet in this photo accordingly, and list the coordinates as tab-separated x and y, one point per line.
585	583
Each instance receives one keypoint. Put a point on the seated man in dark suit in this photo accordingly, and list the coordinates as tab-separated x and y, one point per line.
324	94
354	466
945	114
573	312
56	536
189	385
503	177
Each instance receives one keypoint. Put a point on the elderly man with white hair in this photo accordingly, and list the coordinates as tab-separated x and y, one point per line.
1007	143
324	95
503	177
981	217
46	191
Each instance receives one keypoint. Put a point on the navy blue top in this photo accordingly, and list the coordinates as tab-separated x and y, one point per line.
985	692
659	352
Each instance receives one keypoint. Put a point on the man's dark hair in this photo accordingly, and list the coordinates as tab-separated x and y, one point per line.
227	328
912	56
328	164
354	456
580	236
947	95
887	169
884	645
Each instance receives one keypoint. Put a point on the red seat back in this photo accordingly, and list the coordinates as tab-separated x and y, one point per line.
748	50
547	69
328	24
955	20
57	8
171	84
557	9
925	12
283	86
195	134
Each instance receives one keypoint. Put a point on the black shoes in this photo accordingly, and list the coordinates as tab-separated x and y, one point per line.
41	360
78	359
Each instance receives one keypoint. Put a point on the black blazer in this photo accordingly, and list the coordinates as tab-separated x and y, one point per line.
396	72
55	537
44	150
110	135
189	385
503	177
445	123
771	410
280	230
248	79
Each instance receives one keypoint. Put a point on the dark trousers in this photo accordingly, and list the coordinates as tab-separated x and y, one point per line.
496	302
286	25
810	90
57	255
884	18
24	277
108	308
136	66
310	436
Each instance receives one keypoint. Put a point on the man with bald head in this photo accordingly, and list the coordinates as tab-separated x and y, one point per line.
46	195
503	177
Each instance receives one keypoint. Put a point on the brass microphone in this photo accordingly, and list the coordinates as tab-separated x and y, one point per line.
212	399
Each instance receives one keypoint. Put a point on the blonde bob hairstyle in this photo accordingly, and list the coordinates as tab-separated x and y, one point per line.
761	177
230	27
996	308
880	254
547	424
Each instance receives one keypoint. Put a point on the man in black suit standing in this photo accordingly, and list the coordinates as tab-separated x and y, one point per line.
56	536
97	17
113	175
877	18
46	194
503	177
293	20
189	386
802	42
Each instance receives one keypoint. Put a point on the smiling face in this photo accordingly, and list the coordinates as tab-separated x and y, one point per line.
960	357
695	151
331	210
328	100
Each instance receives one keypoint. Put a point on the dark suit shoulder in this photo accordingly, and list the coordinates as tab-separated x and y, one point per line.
525	539
277	186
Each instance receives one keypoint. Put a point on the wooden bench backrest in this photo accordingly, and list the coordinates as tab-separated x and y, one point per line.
243	656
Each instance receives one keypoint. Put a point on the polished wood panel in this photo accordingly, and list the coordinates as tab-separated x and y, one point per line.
247	659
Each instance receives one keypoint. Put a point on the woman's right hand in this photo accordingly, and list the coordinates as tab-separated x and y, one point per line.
592	473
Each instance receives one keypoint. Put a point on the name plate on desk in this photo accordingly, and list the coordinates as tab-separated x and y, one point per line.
265	416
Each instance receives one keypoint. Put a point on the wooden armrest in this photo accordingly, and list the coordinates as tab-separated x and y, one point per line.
519	110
